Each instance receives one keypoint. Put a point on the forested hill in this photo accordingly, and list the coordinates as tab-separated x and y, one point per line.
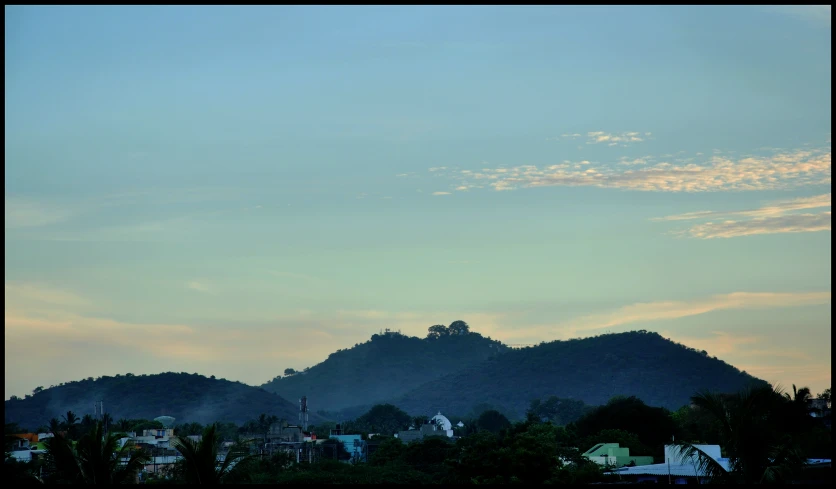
385	367
187	397
641	364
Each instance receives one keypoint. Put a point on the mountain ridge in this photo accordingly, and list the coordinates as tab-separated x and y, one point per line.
657	370
186	397
385	366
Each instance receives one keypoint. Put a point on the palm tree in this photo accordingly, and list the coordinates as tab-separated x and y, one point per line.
95	459
799	396
107	420
757	431
86	424
123	425
200	464
55	426
70	421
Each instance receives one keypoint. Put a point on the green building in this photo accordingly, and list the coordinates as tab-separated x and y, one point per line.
610	454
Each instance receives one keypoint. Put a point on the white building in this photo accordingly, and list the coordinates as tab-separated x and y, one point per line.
679	469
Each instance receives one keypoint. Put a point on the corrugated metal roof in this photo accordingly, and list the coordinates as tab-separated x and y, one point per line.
685	470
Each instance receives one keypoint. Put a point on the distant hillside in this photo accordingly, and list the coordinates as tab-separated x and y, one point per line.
187	397
656	370
384	367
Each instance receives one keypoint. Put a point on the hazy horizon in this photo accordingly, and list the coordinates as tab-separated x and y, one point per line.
234	191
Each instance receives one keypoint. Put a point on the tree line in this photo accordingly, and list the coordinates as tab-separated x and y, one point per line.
766	433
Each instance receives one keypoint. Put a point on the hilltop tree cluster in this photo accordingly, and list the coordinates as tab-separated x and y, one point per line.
456	328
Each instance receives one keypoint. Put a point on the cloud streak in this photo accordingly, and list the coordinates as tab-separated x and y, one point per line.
777	217
774	209
199	286
610	139
816	14
25	213
655	311
718	173
795	223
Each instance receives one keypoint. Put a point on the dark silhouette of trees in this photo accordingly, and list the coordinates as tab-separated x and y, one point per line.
458	328
492	421
653	426
71	424
96	458
558	411
437	331
200	463
759	430
382	418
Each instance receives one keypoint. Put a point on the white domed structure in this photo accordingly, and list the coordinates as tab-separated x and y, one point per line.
167	421
441	422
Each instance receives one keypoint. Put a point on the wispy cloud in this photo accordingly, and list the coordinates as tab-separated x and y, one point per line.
655	311
200	286
777	217
643	160
613	139
610	139
774	209
815	14
740	345
793	223
718	173
40	295
441	193
24	213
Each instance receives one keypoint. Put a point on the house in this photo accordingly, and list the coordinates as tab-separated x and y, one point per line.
24	441
438	426
353	444
674	470
682	470
820	408
611	454
159	433
154	438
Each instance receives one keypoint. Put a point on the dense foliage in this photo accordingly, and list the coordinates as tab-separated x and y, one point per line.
592	370
386	366
765	433
186	397
96	458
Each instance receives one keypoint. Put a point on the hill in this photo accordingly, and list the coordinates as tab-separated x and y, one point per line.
187	397
386	366
646	365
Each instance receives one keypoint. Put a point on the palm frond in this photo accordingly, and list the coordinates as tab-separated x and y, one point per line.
704	465
62	461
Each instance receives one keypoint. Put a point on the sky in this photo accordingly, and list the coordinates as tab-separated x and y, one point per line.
238	190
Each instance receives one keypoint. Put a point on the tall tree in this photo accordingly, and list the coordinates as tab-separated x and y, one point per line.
458	328
383	418
492	421
96	458
71	424
757	431
437	331
201	464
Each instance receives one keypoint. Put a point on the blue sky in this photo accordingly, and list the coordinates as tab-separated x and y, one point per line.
216	189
